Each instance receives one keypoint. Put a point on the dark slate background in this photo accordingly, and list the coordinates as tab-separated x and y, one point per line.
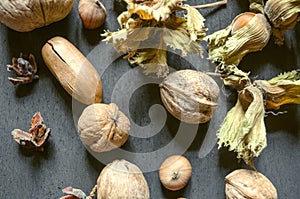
65	161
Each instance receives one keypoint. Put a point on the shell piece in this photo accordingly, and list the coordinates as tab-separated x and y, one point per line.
230	45
73	71
122	179
92	13
248	184
190	96
284	15
103	127
175	172
27	15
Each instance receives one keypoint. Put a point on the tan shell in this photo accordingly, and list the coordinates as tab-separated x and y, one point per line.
73	71
122	179
175	172
26	15
248	184
103	127
190	96
92	13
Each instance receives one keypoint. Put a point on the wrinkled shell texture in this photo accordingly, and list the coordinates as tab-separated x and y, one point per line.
175	172
103	127
190	96
248	184
122	179
92	13
26	15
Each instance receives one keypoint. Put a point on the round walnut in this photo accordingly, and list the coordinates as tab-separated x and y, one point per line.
103	127
27	15
122	179
248	184
190	96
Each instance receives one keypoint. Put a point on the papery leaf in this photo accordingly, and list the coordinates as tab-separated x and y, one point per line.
195	24
243	129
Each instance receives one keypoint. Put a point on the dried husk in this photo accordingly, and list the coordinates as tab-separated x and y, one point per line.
229	49
257	6
122	179
284	15
248	184
103	127
27	15
73	70
190	96
243	129
280	90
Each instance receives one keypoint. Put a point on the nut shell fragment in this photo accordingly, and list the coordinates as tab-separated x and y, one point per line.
103	127
190	96
122	179
27	15
248	184
73	71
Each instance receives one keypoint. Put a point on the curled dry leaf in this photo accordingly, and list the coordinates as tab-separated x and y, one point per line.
190	96
148	28
103	127
24	16
73	70
175	172
37	135
25	69
284	15
122	179
242	183
248	32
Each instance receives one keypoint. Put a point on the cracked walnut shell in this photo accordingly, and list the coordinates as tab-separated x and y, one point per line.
190	96
248	184
27	15
103	127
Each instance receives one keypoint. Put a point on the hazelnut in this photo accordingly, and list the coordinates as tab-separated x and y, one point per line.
92	13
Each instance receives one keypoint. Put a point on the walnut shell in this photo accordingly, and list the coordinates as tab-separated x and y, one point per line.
27	15
190	96
248	184
122	179
103	127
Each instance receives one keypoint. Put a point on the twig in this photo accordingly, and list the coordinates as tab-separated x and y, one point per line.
218	3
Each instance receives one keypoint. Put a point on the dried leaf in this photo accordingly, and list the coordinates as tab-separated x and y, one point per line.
283	89
195	24
243	129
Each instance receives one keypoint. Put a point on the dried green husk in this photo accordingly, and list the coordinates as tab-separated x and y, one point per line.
256	6
283	14
243	129
148	28
230	49
283	89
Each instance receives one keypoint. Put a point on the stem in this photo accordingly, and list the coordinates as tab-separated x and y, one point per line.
93	193
211	4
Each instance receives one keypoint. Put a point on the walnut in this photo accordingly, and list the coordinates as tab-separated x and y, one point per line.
248	184
103	127
24	16
122	179
190	96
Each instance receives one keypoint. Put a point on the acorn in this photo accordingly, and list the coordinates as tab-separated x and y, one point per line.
92	13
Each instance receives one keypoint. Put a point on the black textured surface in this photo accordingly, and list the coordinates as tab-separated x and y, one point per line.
65	161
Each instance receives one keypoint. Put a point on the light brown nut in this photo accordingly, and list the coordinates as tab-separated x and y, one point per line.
248	184
190	96
122	179
26	15
73	71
